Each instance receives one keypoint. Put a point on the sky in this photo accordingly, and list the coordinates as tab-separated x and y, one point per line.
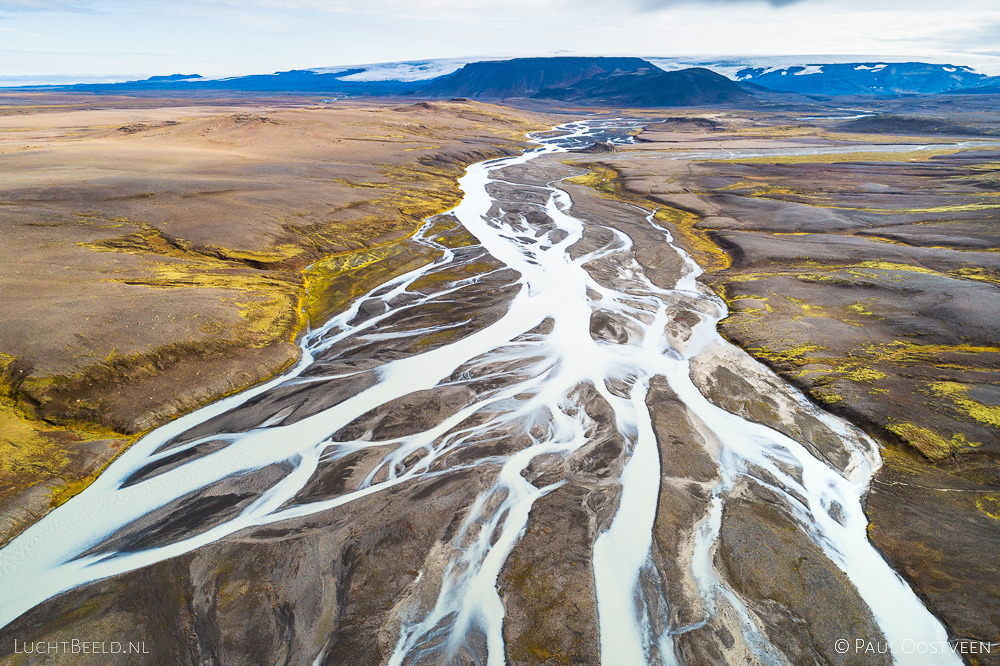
108	40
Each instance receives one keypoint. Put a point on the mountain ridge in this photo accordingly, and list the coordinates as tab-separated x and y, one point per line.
695	86
564	78
864	78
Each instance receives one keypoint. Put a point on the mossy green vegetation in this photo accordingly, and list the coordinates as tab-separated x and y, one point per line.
537	591
268	303
27	455
849	375
932	445
332	283
791	356
827	396
267	300
753	186
860	373
33	451
892	266
959	395
989	503
859	156
977	273
708	255
905	352
601	178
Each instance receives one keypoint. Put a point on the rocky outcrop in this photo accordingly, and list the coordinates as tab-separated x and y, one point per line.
600	147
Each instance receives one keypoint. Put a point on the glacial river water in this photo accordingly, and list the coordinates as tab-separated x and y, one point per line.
541	350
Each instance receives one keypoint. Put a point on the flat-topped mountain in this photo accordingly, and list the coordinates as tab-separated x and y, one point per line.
523	77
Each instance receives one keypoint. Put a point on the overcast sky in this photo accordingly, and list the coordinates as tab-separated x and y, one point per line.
116	39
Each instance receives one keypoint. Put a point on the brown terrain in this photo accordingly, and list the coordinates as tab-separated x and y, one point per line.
871	281
158	255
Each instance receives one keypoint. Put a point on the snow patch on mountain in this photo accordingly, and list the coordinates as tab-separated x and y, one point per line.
414	70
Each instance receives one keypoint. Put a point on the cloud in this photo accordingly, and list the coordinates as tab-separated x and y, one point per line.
661	4
393	8
17	6
416	7
15	31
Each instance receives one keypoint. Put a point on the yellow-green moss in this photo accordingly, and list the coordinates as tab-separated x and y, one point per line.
535	645
335	281
792	356
979	274
32	451
708	255
932	445
859	156
827	396
276	254
146	239
954	208
860	373
892	266
899	352
26	456
989	503
861	309
268	302
600	178
958	393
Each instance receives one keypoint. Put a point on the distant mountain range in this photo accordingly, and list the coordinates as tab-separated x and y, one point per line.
871	78
305	81
627	82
